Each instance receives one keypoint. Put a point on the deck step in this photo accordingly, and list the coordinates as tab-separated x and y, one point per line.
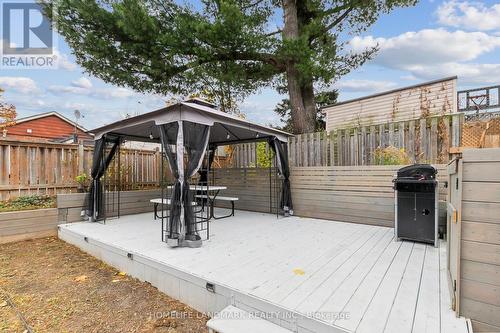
235	320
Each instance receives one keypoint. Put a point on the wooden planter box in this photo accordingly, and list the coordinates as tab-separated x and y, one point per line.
28	224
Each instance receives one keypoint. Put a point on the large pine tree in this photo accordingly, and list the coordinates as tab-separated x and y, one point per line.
165	47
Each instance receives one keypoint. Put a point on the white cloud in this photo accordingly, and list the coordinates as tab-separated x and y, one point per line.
428	46
408	77
115	93
364	85
83	86
467	73
20	84
75	106
434	53
63	61
82	82
469	15
57	89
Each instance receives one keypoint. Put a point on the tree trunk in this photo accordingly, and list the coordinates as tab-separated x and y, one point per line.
301	94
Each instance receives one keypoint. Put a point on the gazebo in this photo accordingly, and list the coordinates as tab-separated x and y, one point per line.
186	131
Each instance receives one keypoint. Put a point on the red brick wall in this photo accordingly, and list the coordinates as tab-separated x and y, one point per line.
50	127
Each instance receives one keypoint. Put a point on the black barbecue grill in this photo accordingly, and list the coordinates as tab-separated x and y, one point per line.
416	201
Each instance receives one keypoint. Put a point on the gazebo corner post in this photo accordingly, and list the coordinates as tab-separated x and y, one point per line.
281	153
180	166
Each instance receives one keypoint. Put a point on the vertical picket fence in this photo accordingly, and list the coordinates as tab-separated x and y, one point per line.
426	140
50	168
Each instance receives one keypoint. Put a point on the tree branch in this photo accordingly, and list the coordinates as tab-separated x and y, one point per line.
339	19
333	24
252	5
274	33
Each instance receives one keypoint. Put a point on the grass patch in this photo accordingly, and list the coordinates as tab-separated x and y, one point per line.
28	202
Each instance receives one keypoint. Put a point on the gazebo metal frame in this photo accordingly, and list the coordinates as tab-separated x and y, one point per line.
185	130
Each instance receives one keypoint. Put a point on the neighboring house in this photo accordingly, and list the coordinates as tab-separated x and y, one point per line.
46	127
425	99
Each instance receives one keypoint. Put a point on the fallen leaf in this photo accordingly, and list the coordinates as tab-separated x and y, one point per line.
3	304
116	280
121	273
81	278
298	271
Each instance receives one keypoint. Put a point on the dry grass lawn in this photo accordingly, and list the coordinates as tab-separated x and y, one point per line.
56	287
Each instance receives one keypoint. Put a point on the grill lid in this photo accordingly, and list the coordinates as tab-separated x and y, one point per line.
417	172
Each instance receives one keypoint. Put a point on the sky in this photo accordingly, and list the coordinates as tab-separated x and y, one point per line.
432	40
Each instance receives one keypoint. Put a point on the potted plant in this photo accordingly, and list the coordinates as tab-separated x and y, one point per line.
83	182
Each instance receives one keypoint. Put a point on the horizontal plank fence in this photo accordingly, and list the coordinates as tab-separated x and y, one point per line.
258	189
359	194
70	206
477	237
21	225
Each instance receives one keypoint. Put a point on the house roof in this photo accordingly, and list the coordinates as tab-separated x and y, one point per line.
226	128
48	114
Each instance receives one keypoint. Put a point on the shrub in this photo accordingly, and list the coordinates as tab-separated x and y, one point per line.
27	202
264	158
82	179
391	156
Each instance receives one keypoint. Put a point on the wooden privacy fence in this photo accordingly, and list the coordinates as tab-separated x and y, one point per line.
359	194
50	168
258	189
426	140
474	237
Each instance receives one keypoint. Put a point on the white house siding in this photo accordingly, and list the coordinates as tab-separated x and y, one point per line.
430	98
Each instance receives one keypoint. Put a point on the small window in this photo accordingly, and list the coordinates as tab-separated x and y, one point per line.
29	130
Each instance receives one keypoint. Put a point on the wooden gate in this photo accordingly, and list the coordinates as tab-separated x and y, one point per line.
454	225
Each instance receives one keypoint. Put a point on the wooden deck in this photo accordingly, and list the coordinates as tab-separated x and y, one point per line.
305	274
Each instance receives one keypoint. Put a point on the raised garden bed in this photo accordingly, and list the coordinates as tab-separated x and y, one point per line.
28	202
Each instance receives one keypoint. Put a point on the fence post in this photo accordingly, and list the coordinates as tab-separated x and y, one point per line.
332	148
355	146
80	158
340	148
401	133
381	135
324	153
317	149
434	139
391	135
457	121
411	140
423	140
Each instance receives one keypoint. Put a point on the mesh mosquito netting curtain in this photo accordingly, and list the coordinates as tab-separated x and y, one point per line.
281	151
184	144
102	157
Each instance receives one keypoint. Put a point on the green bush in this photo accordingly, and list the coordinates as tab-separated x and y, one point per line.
27	202
264	158
391	156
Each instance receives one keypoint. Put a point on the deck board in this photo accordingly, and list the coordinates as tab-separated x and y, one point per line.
403	308
278	288
427	313
299	265
339	298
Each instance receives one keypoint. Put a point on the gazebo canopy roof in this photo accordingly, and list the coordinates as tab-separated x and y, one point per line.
225	128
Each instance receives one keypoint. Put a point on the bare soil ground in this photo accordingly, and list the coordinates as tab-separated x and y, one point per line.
58	288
